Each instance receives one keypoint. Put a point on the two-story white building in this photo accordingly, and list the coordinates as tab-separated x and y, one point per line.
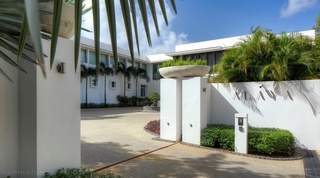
211	51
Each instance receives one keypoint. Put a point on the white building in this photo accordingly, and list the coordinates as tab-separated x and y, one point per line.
211	50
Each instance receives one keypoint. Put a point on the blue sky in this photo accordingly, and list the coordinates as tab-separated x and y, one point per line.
212	19
200	20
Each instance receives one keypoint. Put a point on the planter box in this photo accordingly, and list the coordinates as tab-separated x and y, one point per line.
66	23
184	71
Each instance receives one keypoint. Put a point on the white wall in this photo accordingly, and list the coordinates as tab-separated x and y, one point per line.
293	105
49	114
9	134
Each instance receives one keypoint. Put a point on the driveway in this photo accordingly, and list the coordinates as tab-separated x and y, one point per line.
112	135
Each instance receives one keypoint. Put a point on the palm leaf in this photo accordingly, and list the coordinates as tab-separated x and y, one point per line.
14	50
163	9
23	36
112	28
57	9
32	10
5	75
134	18
77	31
96	27
127	23
10	61
144	15
174	6
154	15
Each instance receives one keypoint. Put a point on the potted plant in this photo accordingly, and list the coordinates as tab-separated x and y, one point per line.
179	68
154	97
67	19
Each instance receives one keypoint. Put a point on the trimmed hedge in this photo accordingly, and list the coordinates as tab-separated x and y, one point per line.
78	172
263	141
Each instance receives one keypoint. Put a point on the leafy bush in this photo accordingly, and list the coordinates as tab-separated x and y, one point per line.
218	136
78	172
132	101
264	141
181	62
154	97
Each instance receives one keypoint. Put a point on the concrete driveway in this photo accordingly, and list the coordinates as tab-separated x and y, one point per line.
112	135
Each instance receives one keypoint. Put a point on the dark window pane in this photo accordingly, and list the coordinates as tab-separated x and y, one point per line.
84	56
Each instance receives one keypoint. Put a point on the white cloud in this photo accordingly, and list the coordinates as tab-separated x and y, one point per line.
165	43
295	6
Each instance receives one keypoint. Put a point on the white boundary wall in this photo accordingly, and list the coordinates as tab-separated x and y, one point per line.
292	105
40	118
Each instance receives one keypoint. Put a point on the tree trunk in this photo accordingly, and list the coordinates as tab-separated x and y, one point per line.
105	91
86	92
137	87
124	85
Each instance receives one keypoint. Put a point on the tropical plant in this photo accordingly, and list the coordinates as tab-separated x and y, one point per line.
20	18
86	72
154	97
105	71
126	74
137	73
182	62
264	56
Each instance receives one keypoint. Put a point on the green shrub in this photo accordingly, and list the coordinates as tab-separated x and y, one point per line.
263	141
181	62
218	136
78	172
131	101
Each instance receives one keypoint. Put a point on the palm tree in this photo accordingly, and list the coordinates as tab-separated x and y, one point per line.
105	71
264	56
21	18
137	73
126	75
85	73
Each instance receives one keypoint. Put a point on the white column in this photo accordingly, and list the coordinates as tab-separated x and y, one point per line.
170	109
241	133
49	114
195	94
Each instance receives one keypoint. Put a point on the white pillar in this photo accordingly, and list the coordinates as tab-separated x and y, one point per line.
49	114
195	94
170	109
241	133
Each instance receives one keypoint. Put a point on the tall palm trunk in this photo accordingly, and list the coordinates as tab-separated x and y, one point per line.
124	85
86	92
137	86
105	90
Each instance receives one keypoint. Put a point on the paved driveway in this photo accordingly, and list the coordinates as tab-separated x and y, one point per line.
112	135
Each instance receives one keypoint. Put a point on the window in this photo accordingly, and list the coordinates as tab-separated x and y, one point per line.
211	59
129	63
111	64
144	66
94	82
113	84
92	58
129	86
155	75
84	56
104	59
136	64
143	91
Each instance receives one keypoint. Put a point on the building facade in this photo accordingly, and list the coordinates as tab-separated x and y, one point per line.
115	85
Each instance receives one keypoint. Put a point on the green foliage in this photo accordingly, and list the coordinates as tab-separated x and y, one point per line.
181	62
78	172
154	97
218	136
98	105
271	142
264	141
125	101
264	56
